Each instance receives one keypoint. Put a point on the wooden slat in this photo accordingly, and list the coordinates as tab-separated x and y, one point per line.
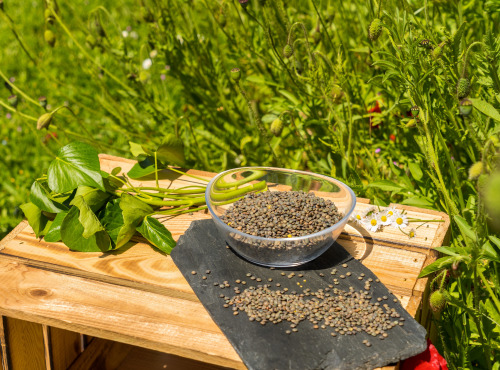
25	342
112	312
4	358
102	354
65	347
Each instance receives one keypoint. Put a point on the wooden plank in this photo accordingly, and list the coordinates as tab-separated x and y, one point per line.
25	343
102	354
4	358
65	347
154	321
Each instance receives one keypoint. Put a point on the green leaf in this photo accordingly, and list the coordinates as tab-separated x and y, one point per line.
385	185
485	108
457	38
133	211
447	250
36	218
94	198
76	164
437	265
418	202
87	218
136	149
493	314
115	171
290	97
495	240
54	233
39	196
112	220
157	234
465	228
490	253
415	170
171	151
142	169
72	235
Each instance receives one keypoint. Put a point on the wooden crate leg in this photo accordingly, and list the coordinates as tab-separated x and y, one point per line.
3	346
24	345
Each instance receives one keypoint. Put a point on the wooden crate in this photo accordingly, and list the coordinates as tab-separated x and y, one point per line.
137	295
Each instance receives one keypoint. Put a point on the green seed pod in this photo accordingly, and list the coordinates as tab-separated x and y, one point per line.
375	29
42	100
463	87
438	51
437	301
277	127
465	107
337	93
90	41
415	110
288	51
235	74
49	17
13	100
50	38
44	120
475	170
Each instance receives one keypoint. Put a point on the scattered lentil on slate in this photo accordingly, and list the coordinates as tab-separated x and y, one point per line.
281	214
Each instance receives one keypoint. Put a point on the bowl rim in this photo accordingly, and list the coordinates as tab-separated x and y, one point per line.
295	238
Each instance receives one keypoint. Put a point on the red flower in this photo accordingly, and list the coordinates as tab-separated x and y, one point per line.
392	137
49	136
430	359
375	109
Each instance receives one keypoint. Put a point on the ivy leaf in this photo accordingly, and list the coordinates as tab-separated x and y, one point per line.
94	198
136	149
39	196
133	211
72	235
437	265
112	220
157	234
76	164
54	233
486	108
36	218
143	168
171	151
87	218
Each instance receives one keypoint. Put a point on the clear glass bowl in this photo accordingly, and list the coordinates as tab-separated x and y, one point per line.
229	186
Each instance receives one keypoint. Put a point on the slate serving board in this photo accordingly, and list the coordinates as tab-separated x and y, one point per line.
261	347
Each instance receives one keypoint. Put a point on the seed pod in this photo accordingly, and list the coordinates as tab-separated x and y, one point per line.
42	100
437	301
244	3
50	38
49	17
277	127
438	51
463	87
465	107
415	110
475	170
288	51
375	29
13	100
44	120
235	74
336	93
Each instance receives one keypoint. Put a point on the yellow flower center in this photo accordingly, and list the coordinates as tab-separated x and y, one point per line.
383	218
399	221
412	234
358	217
373	222
390	213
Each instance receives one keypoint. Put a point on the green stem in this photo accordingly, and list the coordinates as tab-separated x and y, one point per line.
488	288
18	90
156	170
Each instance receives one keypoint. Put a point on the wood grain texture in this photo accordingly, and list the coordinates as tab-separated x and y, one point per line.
65	347
102	354
25	344
138	271
4	359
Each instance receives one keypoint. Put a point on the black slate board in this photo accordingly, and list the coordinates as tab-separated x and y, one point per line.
265	347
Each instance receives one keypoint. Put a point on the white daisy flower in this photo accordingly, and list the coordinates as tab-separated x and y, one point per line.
124	34
384	218
358	217
399	221
147	63
391	211
372	223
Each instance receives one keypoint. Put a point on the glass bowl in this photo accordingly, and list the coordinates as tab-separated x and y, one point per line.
229	186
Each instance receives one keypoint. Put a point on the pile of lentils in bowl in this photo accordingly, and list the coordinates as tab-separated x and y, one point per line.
281	214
